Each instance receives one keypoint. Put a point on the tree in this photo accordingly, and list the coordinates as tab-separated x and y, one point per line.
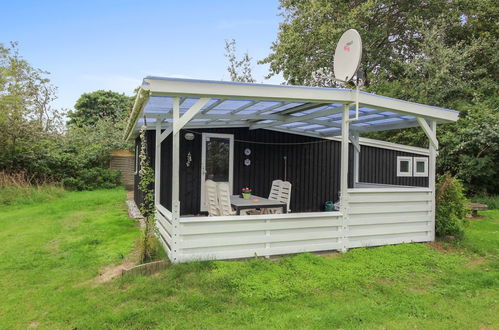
239	70
28	124
91	107
443	53
308	35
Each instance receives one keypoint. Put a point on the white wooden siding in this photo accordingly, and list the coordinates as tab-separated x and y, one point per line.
165	229
262	235
373	217
389	216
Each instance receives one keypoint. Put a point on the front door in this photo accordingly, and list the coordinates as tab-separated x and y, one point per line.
217	159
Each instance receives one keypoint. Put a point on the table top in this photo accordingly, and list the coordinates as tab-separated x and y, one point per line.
254	201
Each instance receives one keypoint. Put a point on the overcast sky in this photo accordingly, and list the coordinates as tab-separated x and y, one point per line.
91	45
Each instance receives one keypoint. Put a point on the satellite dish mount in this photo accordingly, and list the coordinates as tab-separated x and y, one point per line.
347	60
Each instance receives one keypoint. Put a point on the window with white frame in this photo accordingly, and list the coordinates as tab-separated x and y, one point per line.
404	166
420	166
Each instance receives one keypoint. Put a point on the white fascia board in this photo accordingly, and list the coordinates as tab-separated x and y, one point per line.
137	109
405	107
220	89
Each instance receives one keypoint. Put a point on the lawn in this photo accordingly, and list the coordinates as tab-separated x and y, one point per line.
53	250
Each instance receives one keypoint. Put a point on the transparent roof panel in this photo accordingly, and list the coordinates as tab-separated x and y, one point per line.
236	109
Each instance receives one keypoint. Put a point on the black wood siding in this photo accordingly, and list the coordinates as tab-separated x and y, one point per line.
313	169
379	165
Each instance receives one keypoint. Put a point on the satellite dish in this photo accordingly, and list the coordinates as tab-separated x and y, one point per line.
347	55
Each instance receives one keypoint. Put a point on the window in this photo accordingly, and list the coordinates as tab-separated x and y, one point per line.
420	166
404	166
136	158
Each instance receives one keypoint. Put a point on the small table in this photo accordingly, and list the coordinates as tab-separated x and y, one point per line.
239	203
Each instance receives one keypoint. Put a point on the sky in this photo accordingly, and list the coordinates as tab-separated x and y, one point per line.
112	44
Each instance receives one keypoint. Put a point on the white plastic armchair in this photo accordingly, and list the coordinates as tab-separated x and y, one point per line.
223	193
211	198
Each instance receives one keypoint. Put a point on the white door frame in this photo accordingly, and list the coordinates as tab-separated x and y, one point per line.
230	137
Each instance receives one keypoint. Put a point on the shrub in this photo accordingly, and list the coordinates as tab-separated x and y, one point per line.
93	178
451	207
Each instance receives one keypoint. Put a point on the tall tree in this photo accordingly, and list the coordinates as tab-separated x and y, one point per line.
27	122
91	107
443	53
239	69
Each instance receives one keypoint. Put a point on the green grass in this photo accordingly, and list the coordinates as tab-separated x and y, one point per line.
52	251
12	195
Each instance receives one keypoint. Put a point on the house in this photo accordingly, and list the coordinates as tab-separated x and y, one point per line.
251	134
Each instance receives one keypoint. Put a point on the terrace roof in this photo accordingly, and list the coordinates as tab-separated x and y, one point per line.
310	111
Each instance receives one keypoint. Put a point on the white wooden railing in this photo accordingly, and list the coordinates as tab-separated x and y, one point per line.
389	216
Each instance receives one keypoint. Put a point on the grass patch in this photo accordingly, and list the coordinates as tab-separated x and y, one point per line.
51	251
11	195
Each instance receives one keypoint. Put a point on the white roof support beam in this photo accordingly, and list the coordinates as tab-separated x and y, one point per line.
430	133
188	115
388	126
214	105
303	107
246	106
280	104
354	139
293	119
168	130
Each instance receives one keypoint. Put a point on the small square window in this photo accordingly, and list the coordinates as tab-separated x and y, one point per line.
404	166
420	166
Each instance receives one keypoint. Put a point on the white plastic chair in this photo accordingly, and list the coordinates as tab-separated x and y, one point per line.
275	190
211	198
223	193
280	191
285	194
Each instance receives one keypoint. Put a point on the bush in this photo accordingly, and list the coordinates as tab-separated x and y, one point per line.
93	178
451	207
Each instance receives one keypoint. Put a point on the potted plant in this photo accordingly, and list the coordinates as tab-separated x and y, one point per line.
246	192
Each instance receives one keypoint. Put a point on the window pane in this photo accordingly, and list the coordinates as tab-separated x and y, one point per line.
420	167
217	159
404	166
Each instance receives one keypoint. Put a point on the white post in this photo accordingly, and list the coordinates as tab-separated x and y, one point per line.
175	179
157	164
432	166
345	130
354	138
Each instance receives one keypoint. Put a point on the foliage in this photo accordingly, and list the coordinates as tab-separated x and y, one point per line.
439	53
147	208
239	70
492	201
93	178
101	104
470	149
451	207
32	139
79	236
28	124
